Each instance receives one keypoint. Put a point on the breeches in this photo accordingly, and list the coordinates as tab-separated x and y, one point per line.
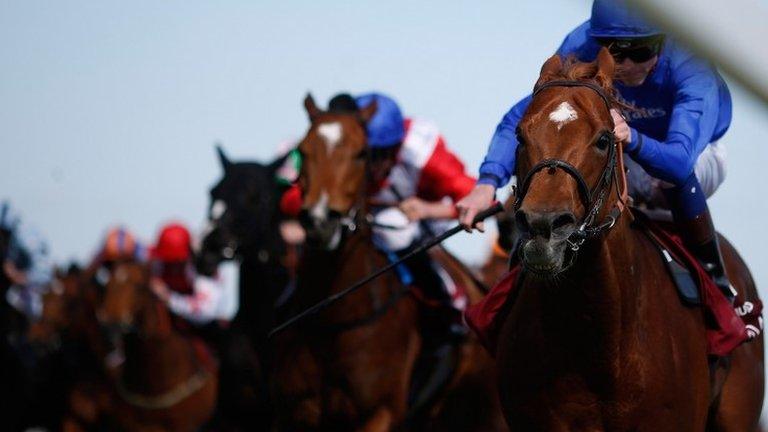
710	171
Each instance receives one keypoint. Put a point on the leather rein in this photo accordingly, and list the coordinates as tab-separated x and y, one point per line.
591	198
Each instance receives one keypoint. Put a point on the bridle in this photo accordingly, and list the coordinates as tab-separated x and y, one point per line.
591	198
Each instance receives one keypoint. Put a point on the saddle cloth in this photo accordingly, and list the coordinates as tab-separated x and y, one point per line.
728	326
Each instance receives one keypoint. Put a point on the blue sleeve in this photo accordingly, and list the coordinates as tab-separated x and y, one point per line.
692	124
499	163
579	44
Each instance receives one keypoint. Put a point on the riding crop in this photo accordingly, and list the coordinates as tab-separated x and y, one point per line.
427	244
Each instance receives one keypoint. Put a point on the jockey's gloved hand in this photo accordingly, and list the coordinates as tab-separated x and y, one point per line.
478	200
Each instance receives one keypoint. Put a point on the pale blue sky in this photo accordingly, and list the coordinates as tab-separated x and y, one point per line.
108	109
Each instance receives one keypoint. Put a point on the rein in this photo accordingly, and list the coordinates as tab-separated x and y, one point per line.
591	198
168	399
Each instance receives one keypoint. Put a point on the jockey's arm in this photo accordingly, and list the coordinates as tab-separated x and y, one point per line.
497	167
202	306
499	163
443	176
418	209
693	121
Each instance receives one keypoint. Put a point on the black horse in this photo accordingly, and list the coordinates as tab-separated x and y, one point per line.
244	219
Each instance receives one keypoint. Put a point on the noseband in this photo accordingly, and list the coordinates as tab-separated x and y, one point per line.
591	198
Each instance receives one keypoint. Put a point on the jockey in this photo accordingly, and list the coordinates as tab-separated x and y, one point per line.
26	264
119	245
682	109
410	164
196	298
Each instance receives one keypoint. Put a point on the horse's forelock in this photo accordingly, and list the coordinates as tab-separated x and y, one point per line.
574	70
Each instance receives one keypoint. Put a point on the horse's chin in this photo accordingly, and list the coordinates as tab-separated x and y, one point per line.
544	258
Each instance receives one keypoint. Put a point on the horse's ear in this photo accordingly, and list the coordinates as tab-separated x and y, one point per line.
367	112
225	163
550	70
606	67
312	110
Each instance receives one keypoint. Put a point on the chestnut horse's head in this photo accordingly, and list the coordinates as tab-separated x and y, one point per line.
333	174
127	298
567	163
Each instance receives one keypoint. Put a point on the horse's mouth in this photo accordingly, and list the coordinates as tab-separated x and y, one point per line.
542	257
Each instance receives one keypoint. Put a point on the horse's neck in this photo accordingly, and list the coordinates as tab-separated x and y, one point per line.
599	296
261	267
159	357
320	270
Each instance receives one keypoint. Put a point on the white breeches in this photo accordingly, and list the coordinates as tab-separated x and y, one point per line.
393	231
710	169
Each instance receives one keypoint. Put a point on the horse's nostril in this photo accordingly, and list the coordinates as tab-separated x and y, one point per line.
563	220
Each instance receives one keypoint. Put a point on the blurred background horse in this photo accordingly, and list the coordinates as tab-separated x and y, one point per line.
243	226
350	367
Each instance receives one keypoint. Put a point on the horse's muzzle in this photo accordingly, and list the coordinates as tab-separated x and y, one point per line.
322	232
543	240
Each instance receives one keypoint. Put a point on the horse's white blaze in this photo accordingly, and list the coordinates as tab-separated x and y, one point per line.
563	115
331	133
320	210
217	209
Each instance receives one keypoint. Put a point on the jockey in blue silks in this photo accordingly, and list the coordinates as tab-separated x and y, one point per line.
682	108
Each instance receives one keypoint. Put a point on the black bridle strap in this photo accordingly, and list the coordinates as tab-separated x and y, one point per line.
552	164
565	83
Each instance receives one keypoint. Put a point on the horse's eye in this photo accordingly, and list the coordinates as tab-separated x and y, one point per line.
362	154
604	141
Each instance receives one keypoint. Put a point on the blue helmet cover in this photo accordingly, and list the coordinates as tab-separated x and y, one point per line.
386	128
614	19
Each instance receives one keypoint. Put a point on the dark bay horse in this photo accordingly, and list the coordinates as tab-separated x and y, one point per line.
350	366
598	340
167	381
243	225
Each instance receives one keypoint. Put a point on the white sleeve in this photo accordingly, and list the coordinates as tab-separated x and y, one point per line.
202	306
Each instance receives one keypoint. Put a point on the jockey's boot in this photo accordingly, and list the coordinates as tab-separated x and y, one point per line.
701	238
442	323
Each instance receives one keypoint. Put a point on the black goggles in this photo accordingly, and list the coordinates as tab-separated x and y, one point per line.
639	51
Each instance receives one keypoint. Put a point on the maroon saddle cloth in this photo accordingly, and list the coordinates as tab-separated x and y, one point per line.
728	326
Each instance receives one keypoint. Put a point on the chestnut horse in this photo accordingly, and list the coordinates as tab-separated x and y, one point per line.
349	367
165	383
598	340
